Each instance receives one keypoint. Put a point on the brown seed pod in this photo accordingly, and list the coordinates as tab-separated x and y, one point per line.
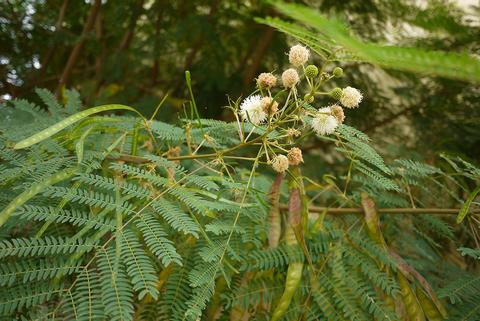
274	218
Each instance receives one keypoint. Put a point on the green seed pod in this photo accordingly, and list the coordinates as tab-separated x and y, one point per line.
337	72
52	130
294	276
336	93
295	269
311	71
428	306
34	190
414	309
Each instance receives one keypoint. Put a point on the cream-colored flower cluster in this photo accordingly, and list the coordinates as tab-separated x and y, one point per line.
263	105
281	162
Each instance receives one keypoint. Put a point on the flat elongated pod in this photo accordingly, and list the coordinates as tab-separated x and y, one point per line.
274	218
414	311
428	306
52	130
32	191
294	276
294	272
372	220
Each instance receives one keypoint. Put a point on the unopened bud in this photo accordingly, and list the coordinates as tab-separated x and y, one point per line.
337	72
336	93
311	71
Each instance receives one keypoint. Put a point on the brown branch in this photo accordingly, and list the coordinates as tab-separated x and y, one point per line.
197	46
439	211
312	208
58	27
137	9
72	59
256	57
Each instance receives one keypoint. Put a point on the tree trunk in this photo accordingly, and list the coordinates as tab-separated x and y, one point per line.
77	49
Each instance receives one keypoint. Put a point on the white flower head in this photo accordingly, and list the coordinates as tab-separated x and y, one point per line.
298	55
252	106
351	97
290	78
269	105
324	124
325	110
280	163
295	156
266	80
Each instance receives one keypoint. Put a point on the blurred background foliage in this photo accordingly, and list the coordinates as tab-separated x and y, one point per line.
136	51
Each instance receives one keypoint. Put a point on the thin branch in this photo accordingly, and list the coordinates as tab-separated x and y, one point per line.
439	211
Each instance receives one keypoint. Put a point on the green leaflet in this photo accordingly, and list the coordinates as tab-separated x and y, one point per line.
52	130
463	212
34	190
439	63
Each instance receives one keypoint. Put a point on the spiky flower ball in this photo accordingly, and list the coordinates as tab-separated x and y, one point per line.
290	78
251	108
336	93
324	124
295	156
298	55
351	97
337	72
269	105
338	113
266	80
280	163
311	71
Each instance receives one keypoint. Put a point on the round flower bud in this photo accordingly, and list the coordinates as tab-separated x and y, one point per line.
266	80
290	78
308	98
311	71
295	156
336	93
337	72
298	55
269	105
338	113
280	163
351	97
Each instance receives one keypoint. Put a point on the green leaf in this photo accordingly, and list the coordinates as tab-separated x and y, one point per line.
437	63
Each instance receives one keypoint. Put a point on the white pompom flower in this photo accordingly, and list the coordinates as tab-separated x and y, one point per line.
298	55
325	110
324	124
290	78
280	163
252	106
351	97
